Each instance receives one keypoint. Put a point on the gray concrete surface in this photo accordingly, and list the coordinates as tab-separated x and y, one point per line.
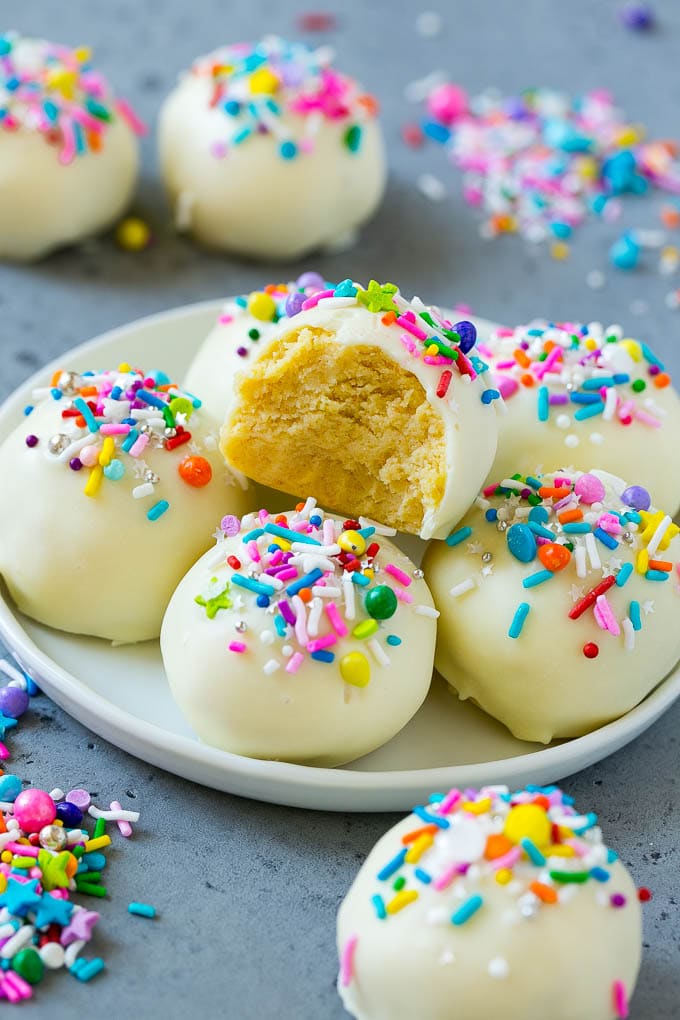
247	893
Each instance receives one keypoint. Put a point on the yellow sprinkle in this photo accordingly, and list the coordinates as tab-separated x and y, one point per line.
432	351
6	857
23	862
97	844
632	347
590	344
263	81
627	136
107	451
282	544
401	900
133	234
83	54
559	250
355	669
503	876
559	850
528	821
418	848
262	306
642	561
368	573
124	367
477	807
94	481
3	883
57	821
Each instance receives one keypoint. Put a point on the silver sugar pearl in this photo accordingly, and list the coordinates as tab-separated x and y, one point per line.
241	626
170	433
418	574
627	538
52	837
501	526
144	428
68	382
57	444
151	476
487	557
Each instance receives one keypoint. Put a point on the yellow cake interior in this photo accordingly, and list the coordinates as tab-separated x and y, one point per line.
346	423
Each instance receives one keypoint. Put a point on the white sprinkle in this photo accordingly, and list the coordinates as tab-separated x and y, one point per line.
571	441
460	589
57	795
426	611
337	302
378	652
113	816
320	550
512	483
380	529
315	611
326	592
428	24
591	549
657	537
628	634
563	421
431	187
267	637
271	666
184	205
140	491
300	620
287	651
417	91
18	941
9	670
595	279
71	954
596	438
498	967
610	402
481	503
348	591
580	556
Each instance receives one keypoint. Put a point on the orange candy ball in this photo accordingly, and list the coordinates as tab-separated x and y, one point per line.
554	557
195	471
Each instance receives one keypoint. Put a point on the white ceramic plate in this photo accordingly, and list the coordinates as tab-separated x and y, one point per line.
121	693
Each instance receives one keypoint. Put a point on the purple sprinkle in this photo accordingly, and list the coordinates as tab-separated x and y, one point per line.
230	525
294	303
311	280
13	701
558	398
636	497
654	369
638	16
242	352
617	900
467	333
287	613
31	440
75	463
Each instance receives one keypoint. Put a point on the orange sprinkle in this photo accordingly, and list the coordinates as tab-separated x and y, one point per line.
567	516
497	846
414	834
522	358
527	380
88	391
670	217
94	141
545	893
305	594
542	801
662	380
3	827
389	318
370	104
298	507
661	565
282	519
80	421
548	346
550	492
56	377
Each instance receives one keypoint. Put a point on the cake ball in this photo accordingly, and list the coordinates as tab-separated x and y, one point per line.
559	601
112	486
68	148
491	904
587	396
268	151
300	637
378	405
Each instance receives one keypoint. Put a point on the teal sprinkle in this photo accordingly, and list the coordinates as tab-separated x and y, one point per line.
158	509
379	906
538	578
532	852
456	537
623	574
114	471
467	910
656	575
518	619
393	640
589	411
543	403
533	483
576	528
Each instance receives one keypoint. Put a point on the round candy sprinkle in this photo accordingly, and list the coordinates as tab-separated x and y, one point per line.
310	279
528	821
636	497
80	798
230	525
590	489
637	16
33	809
70	814
262	306
52	837
133	234
355	669
381	602
13	702
10	787
195	471
554	556
591	650
28	965
352	542
521	542
32	440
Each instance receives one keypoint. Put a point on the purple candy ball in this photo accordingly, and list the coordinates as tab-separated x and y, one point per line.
75	463
311	280
294	303
31	440
638	16
467	333
70	814
13	702
636	497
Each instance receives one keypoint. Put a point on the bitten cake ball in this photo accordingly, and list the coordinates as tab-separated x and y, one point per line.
379	406
68	152
489	904
112	486
589	397
268	151
559	600
300	637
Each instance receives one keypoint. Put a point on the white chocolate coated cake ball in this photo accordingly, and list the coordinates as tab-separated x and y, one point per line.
378	405
589	396
490	904
301	639
268	151
113	487
68	151
559	601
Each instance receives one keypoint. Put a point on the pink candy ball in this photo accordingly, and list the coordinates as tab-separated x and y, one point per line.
89	456
590	489
447	103
33	809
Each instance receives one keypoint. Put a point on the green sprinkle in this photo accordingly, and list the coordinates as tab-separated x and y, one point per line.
578	877
99	828
399	883
353	138
365	629
639	385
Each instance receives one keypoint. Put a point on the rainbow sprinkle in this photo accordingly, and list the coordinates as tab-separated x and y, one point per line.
109	419
315	580
284	90
55	90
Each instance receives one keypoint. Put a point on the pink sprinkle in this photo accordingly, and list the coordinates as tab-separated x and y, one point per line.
450	801
410	327
409	344
286	573
128	114
276	557
224	320
438	359
68	152
263	516
489	490
505	331
502	366
300	526
648	419
347	960
546	365
253	551
328	532
398	574
237	646
506	386
318	644
412	136
610	524
124	828
139	445
23	849
620	999
295	662
113	429
604	616
403	595
336	621
313	301
4	752
507	860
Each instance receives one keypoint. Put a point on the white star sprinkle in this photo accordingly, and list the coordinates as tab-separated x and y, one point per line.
648	607
474	548
576	592
140	468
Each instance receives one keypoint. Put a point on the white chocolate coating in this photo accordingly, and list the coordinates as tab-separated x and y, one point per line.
44	203
516	958
470	426
642	450
547	687
249	704
250	200
97	565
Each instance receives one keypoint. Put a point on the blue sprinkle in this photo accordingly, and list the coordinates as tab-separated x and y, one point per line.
262	601
323	656
281	626
633	516
521	542
589	411
466	910
456	537
151	399
540	530
599	874
425	816
232	107
241	136
518	619
489	395
423	876
538	515
585	398
491	515
360	579
392	867
597	382
253	535
366	532
316	521
252	585
651	357
158	509
532	852
436	131
538	578
288	150
612	856
656	575
605	538
533	483
620	378
289	535
306	581
379	906
543	403
130	440
56	393
393	640
576	528
87	414
623	574
28	409
635	615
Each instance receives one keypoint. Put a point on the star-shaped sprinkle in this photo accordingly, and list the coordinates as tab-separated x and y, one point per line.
216	602
80	926
487	570
52	911
378	297
474	548
648	607
20	897
651	522
218	535
6	724
53	869
576	592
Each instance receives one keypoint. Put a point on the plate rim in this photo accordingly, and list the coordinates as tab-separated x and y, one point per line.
105	718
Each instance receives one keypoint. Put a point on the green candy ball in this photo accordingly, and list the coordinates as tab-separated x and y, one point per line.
28	965
381	602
